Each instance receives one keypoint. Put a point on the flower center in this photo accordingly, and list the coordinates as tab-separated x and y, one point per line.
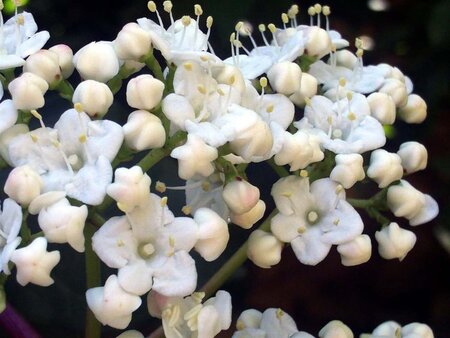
146	250
312	217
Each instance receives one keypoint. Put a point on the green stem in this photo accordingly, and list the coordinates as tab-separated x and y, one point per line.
65	89
154	66
25	232
360	203
235	261
280	170
93	279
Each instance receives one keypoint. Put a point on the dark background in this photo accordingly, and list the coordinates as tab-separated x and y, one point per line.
412	35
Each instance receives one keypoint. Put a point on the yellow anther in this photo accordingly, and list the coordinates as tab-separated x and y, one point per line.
20	20
193	312
231	80
280	313
304	173
333	48
36	114
206	186
163	201
272	28
263	82
337	133
167	6
120	243
171	241
358	43
187	66
336	221
240	325
312	216
318	8
287	194
1	5
151	6
82	138
160	187
209	22
55	143
301	229
329	119
220	92
122	207
78	107
262	27
294	9
342	82
34	138
237	43
291	14
269	108
339	188
349	96
360	52
307	101
187	210
198	297
326	10
232	37
201	89
204	58
198	10
311	11
186	20
351	116
284	18
238	26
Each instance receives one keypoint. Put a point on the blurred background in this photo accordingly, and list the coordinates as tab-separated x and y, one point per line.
412	35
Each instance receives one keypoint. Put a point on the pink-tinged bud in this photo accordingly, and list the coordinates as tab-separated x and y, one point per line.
28	91
95	97
65	59
45	64
23	185
132	42
144	92
240	196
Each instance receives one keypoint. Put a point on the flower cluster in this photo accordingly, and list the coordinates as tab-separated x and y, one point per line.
300	101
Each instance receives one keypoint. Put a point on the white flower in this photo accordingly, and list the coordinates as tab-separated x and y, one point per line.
417	330
240	196
394	242
75	156
34	263
414	156
10	222
356	251
348	170
144	92
111	304
130	188
344	126
335	329
64	223
45	64
392	329
194	157
97	61
385	167
247	219
8	114
27	91
186	317
213	234
264	249
23	184
65	57
150	248
95	97
144	130
414	111
132	42
406	201
19	39
313	218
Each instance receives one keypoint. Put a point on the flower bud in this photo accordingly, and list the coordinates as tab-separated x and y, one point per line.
264	249
387	329
131	334
254	141
65	59
144	92
130	189
212	233
394	242
382	107
250	318
346	59
97	61
285	77
318	42
355	252
335	329
95	97
8	135
132	42
414	156
414	330
23	185
384	167
240	196
45	64
348	170
308	88
395	89
414	111
247	219
144	131
27	91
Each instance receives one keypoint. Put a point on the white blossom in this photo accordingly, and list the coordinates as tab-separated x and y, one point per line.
10	222
8	113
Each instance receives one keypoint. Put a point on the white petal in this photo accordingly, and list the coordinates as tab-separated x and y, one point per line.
33	44
309	247
136	277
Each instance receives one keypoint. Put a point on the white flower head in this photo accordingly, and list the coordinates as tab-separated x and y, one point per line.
10	222
313	218
111	304
385	167
348	170
264	249
394	242
34	263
